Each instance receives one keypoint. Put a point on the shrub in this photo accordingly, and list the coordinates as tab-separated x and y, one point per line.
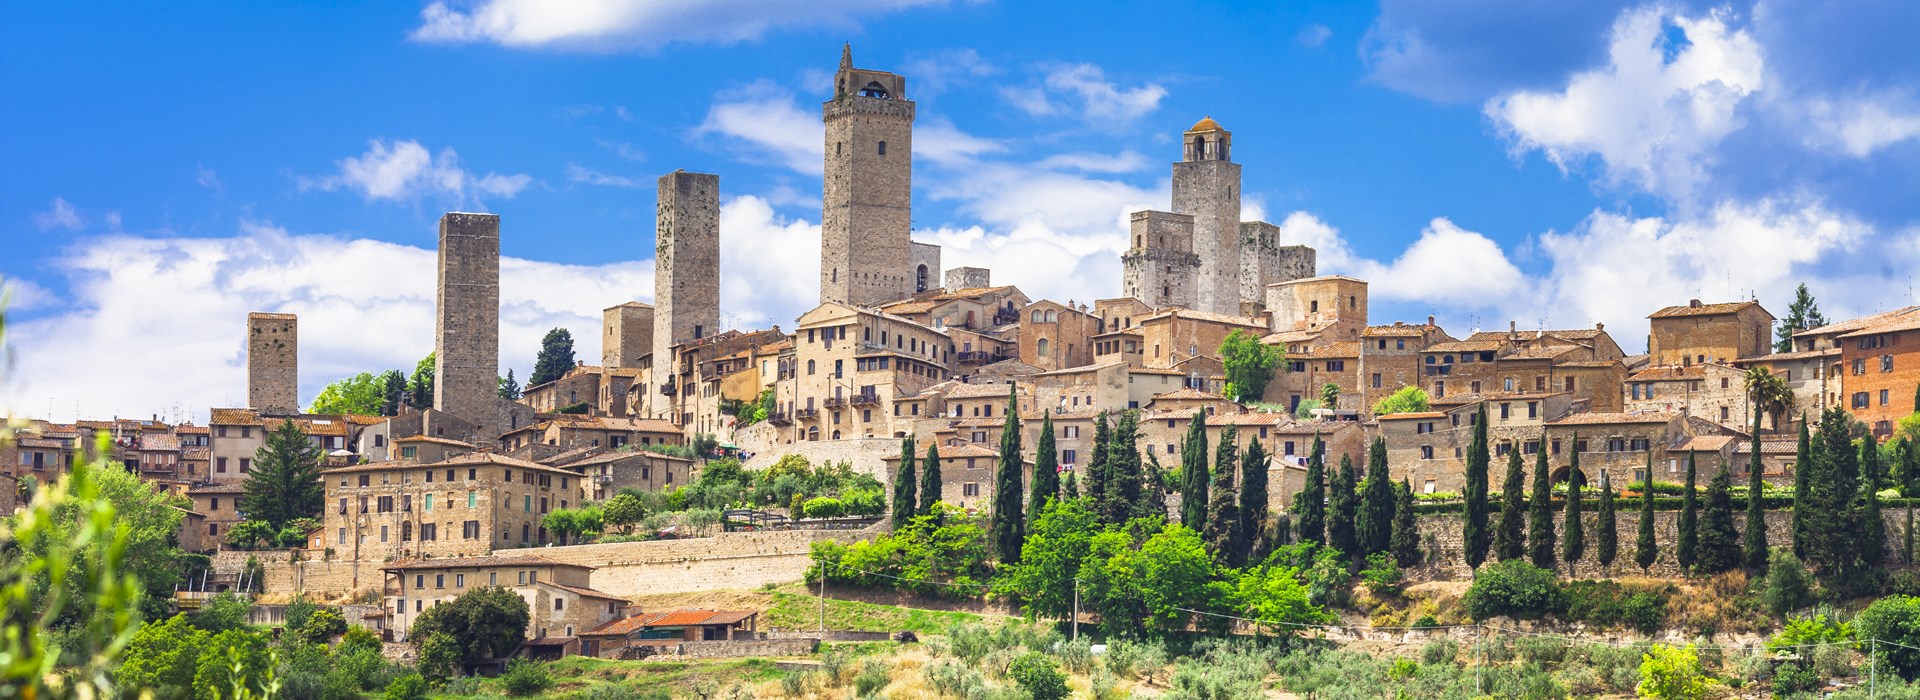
1076	656
1893	619
1514	588
824	507
872	677
525	677
407	687
1037	675
1382	574
833	662
953	679
1789	586
1607	603
320	627
362	669
1809	631
359	638
1667	673
1439	651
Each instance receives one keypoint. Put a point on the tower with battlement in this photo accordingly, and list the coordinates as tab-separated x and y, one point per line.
686	268
626	334
1264	261
1161	268
866	255
1206	186
273	363
467	317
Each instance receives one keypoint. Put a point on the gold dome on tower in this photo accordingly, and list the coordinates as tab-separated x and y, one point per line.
1206	124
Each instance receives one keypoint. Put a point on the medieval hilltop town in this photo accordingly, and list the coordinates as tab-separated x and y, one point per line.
434	501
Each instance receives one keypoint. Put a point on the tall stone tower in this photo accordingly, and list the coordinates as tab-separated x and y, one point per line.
467	318
865	252
273	363
1161	268
686	266
1263	261
626	334
1206	185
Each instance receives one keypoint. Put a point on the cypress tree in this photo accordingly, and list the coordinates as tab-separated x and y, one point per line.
1007	526
1222	532
555	357
1406	534
1754	545
1153	498
1916	399
1342	509
1474	533
1193	473
1873	528
1046	469
285	482
1802	488
1096	481
1254	508
1607	542
1831	521
1719	542
1540	509
930	479
904	486
1573	545
1377	503
1311	502
1510	539
1123	477
1645	551
1071	488
1687	553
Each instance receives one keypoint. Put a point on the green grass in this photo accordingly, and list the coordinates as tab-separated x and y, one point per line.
574	676
797	612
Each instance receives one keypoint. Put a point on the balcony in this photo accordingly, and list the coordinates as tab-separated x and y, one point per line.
980	357
806	414
835	402
865	400
667	389
1004	316
780	418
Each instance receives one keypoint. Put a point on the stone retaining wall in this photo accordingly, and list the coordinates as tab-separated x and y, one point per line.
746	648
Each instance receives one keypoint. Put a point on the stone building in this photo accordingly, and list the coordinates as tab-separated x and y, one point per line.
1429	448
1264	262
1586	363
1119	340
425	448
1206	186
1390	358
375	443
1333	308
1709	390
218	505
1100	387
571	431
1161	268
924	261
557	594
1057	336
467	320
981	309
1806	374
1880	367
966	473
578	385
273	376
626	336
686	277
850	365
609	472
866	255
465	506
1697	333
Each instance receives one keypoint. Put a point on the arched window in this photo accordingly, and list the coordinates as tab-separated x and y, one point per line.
883	148
1041	347
1199	148
836	434
874	89
920	279
1038	316
406	531
813	434
809	367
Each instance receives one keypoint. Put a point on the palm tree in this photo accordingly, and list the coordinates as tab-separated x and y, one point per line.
1769	395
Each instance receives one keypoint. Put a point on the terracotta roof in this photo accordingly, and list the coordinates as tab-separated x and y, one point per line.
1204	316
217	489
909	307
434	440
1080	369
475	562
616	456
468	459
186	429
1468	398
1567	334
680	618
1590	364
1904	323
1469	345
1537	352
1188	395
621	627
1346	348
1788	356
954	452
1668	373
1411	416
584	592
1284	337
548	642
234	416
1398	329
1704	443
1249	418
1613	418
1696	309
974	391
1855	324
42	442
159	443
1205	124
728	617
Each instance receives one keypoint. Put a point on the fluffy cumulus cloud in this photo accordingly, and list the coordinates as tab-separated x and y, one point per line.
157	323
1861	126
764	123
604	25
769	265
1445	264
406	170
1669	93
1082	90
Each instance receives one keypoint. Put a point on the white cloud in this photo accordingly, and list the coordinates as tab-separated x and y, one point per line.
1082	90
1863	125
769	265
937	71
623	149
1128	161
59	214
404	170
1653	114
643	24
763	121
206	177
22	295
576	173
364	305
1446	264
1313	36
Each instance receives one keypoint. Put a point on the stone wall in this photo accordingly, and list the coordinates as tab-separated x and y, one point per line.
1440	542
1161	269
868	455
969	278
866	203
686	270
746	648
626	333
1210	191
273	349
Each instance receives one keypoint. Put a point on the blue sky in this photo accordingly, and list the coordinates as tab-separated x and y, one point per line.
167	169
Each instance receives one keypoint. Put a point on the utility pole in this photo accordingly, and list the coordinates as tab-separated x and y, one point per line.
823	595
1076	610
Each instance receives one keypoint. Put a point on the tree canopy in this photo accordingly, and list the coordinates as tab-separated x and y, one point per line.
555	358
363	394
1409	399
1804	312
1249	364
285	482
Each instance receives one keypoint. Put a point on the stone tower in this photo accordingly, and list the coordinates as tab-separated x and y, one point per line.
467	318
686	266
273	349
1263	261
626	334
866	216
1206	186
923	267
1161	268
969	278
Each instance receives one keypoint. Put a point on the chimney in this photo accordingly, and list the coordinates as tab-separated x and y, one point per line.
1600	326
1429	320
1513	330
1693	303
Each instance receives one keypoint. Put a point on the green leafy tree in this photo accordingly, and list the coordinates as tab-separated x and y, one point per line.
623	511
393	392
1831	521
930	480
1573	543
1071	489
1667	673
1249	364
1803	313
1124	479
487	622
1687	552
1193	472
1223	509
1409	399
1330	395
555	358
1607	541
161	657
1254	514
1343	509
1872	533
1096	481
1153	491
1056	547
904	487
1540	541
1039	676
1377	500
420	387
1719	541
1008	524
1510	537
1645	550
1896	620
1310	504
285	481
1046	469
1474	534
363	394
1171	573
1406	533
509	387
